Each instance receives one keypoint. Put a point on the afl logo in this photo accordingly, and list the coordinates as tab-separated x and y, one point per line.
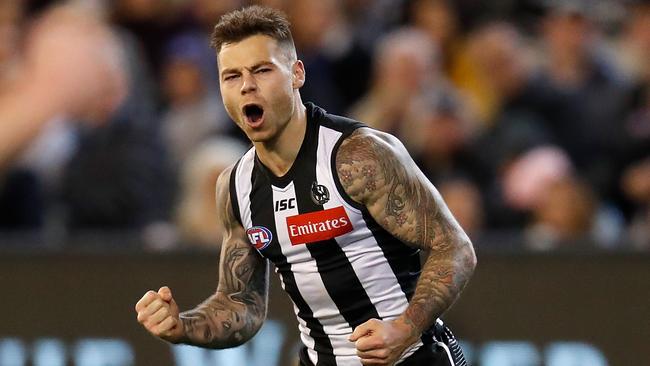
259	236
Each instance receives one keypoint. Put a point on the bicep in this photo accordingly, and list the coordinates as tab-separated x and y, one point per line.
376	170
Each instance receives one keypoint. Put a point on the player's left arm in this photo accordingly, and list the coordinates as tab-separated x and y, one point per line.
376	171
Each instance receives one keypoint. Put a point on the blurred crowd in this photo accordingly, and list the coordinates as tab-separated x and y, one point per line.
531	117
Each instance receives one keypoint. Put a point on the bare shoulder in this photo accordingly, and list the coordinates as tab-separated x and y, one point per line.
366	158
376	170
224	203
366	142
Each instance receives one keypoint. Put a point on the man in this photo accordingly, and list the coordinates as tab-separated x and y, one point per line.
72	66
340	209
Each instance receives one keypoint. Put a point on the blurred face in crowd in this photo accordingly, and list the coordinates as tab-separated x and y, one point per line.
183	82
499	55
567	33
209	11
638	27
311	20
464	201
259	81
445	135
406	62
10	14
436	18
139	9
568	208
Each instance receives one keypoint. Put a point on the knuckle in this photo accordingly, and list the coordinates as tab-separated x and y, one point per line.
157	329
161	303
142	318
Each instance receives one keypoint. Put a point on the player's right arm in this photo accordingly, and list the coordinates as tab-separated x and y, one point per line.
235	312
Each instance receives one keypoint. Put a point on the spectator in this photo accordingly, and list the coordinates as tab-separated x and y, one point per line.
196	213
325	43
465	202
525	105
559	208
195	111
563	216
577	67
636	185
405	69
84	77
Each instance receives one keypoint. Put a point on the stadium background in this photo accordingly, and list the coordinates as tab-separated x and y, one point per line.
531	117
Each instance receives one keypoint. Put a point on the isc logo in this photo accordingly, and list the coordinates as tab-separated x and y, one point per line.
286	203
259	236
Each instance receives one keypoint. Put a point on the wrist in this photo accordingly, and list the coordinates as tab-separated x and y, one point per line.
180	334
406	325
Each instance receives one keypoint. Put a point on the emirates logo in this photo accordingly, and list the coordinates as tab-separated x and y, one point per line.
319	225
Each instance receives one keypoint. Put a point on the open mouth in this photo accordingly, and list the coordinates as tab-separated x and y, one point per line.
253	113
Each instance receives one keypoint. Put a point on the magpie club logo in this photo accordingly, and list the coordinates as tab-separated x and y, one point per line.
319	193
259	236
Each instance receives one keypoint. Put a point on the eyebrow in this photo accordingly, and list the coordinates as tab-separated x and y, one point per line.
252	68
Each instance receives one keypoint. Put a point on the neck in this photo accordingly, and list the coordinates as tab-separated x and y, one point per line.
279	153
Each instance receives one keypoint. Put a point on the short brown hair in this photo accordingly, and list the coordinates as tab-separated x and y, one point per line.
243	23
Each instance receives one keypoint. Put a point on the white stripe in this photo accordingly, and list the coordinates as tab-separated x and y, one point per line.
448	352
360	247
281	230
310	284
244	187
313	355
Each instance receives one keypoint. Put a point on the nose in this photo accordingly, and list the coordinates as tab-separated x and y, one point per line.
248	83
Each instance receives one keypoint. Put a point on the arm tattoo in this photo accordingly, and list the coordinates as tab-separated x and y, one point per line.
376	171
236	311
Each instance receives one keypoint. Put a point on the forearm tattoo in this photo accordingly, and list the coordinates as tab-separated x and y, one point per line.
377	172
236	311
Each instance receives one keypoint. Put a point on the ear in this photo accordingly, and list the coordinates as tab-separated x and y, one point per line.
298	74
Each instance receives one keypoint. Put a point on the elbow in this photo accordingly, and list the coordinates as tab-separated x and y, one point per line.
466	256
238	337
469	255
250	332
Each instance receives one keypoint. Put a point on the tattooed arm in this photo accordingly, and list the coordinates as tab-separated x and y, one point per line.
235	312
376	171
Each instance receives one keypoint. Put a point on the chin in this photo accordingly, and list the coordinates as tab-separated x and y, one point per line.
259	136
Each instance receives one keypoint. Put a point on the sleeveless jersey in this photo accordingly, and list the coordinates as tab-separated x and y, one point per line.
337	264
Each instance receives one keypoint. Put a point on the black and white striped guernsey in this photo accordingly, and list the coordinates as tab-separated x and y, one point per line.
339	267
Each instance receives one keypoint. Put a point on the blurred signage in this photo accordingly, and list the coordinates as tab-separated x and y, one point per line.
67	309
264	350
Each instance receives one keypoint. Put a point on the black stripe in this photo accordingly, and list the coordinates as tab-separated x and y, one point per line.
403	260
262	214
332	121
233	193
339	278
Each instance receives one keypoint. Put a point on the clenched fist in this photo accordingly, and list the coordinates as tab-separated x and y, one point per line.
158	313
381	343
